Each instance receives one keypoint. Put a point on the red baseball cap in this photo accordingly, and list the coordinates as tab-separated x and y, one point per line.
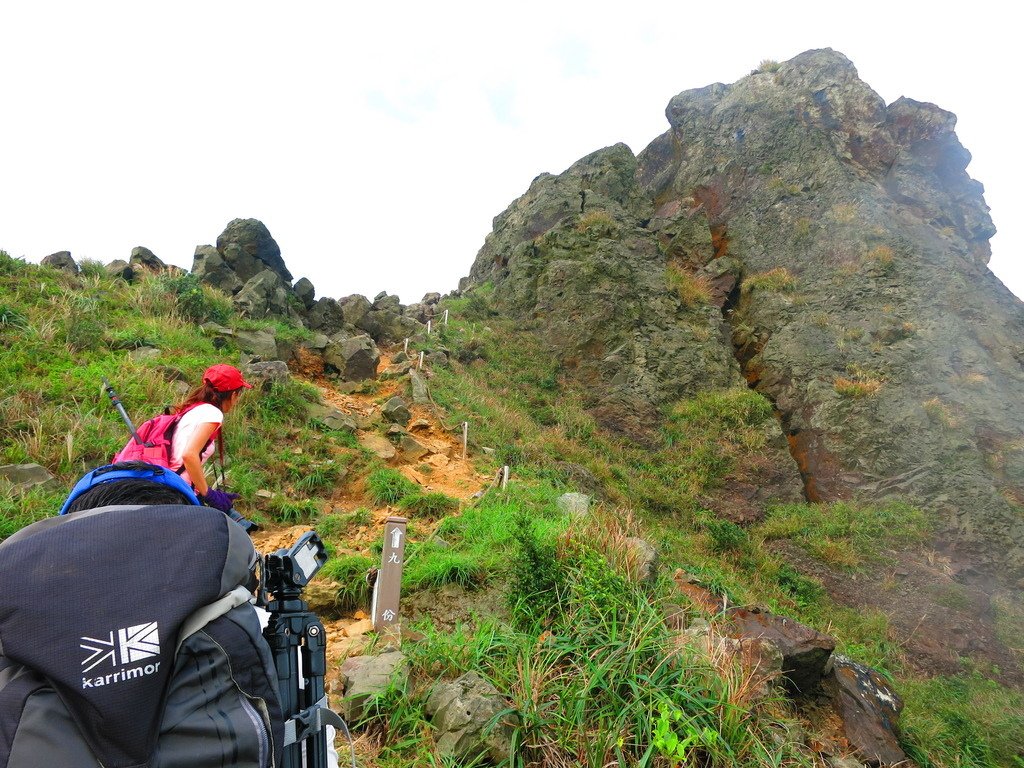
225	378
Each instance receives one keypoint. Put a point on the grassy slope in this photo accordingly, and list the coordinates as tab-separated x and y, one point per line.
582	658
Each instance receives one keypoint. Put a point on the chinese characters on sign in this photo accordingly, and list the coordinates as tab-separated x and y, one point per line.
389	580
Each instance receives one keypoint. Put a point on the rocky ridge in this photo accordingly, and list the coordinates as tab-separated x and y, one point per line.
793	231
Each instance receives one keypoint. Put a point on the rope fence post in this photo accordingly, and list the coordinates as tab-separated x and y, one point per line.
428	327
465	438
446	318
504	477
405	349
420	365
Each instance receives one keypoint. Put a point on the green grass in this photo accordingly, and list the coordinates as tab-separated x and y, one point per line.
65	333
389	486
843	534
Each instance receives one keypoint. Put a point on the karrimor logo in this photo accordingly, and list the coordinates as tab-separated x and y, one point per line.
121	648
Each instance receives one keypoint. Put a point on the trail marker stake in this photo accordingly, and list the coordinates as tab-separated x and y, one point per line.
504	477
388	588
446	318
465	438
428	327
406	347
418	367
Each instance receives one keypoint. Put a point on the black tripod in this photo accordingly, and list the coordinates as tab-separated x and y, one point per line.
298	642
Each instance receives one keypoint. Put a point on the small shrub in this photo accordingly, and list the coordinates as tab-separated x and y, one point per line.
350	574
857	387
389	486
598	223
779	280
196	302
726	536
429	504
692	290
766	65
536	576
880	257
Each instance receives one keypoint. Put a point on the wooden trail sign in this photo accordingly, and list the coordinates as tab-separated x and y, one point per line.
388	588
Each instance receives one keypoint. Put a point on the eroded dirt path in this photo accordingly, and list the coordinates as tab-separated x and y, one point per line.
442	469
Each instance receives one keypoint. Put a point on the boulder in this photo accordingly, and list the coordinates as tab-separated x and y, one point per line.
326	316
574	504
384	302
263	295
305	293
396	411
420	393
143	258
805	651
364	676
430	299
869	709
211	268
384	325
267	372
254	243
354	308
378	445
120	268
468	720
24	477
263	344
643	560
419	312
355	359
411	448
61	260
333	418
144	353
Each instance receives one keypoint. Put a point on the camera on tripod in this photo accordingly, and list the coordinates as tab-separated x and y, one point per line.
299	645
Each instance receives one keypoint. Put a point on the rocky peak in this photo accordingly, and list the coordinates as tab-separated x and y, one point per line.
792	230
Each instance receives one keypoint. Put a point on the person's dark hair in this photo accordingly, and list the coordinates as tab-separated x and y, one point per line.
128	491
205	393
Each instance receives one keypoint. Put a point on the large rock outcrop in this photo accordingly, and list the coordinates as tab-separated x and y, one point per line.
794	229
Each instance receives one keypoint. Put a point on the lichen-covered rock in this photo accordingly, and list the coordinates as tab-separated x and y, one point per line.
210	267
364	676
326	316
305	292
396	411
263	295
254	249
120	268
61	260
23	477
143	258
355	358
468	717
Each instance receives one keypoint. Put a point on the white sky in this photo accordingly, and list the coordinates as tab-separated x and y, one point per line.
377	140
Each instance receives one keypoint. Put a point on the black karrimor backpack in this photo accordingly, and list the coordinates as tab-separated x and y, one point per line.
127	641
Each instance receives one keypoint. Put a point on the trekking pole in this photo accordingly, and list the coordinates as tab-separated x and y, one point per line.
120	409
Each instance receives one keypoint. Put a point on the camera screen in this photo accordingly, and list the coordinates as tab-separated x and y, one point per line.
306	560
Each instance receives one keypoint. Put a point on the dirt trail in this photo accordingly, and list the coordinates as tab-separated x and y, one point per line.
441	470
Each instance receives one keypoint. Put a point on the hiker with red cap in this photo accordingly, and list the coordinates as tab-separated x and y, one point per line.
200	426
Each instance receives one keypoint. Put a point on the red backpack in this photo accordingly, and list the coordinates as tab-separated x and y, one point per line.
156	435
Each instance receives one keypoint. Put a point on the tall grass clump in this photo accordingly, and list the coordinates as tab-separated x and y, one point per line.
389	486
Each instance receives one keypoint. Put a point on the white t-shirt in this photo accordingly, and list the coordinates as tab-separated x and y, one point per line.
186	430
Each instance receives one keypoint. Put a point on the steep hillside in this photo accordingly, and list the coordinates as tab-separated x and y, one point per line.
793	229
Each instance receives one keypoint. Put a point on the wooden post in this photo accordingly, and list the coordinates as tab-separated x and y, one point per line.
418	367
446	317
465	438
406	347
428	327
504	477
388	589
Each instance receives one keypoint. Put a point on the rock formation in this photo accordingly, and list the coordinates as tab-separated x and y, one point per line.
792	229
